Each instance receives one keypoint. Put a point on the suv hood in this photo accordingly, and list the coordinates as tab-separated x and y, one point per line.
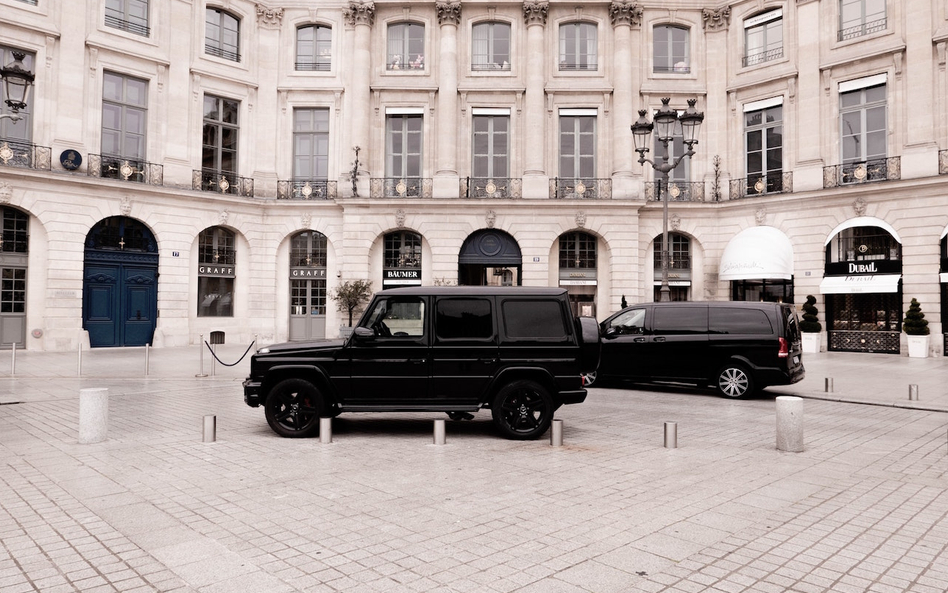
315	346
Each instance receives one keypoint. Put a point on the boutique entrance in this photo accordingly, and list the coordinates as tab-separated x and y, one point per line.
490	258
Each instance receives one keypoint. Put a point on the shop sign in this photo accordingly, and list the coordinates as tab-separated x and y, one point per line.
308	272
401	277
216	271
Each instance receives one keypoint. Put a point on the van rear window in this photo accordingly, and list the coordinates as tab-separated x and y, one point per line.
525	319
736	320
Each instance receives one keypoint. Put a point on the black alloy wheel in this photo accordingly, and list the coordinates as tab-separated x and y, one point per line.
293	408
523	410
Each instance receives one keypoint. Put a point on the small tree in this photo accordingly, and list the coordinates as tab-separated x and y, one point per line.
810	323
915	323
350	295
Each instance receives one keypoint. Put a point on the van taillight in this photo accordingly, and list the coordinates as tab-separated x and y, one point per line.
784	350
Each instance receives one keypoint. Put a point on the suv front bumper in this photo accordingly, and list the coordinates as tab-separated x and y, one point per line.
252	392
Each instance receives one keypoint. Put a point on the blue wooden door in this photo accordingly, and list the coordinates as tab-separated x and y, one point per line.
119	304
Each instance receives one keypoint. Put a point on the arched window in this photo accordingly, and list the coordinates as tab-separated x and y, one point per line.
314	48
763	37
679	266
16	235
671	50
217	259
406	46
222	35
402	264
307	280
578	47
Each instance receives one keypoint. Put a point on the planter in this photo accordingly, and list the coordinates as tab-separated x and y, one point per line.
918	346
811	342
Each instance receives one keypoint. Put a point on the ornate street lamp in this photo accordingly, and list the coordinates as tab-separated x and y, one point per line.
16	81
664	125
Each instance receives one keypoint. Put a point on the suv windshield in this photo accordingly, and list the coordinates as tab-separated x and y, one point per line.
397	317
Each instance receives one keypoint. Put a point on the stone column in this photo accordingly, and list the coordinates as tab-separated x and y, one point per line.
360	16
446	178
535	181
917	66
263	114
714	130
808	172
624	16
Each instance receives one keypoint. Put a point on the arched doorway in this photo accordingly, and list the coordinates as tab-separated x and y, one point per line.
578	272
308	286
490	257
14	246
120	283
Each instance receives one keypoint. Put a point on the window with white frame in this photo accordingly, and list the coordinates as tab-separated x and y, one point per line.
490	46
314	48
491	145
763	140
577	146
310	144
406	46
22	128
220	133
671	50
124	116
222	34
862	121
403	144
860	17
128	15
763	38
578	47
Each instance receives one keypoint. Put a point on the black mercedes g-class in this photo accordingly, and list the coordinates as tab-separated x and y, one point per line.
514	350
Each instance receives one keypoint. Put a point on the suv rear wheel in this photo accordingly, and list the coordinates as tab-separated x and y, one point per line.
293	408
522	410
735	381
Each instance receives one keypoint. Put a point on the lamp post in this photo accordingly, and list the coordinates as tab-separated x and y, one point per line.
664	126
16	82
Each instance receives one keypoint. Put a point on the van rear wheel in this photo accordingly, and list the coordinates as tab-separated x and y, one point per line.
522	410
735	381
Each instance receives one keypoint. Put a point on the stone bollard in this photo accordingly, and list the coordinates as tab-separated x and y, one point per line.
325	430
913	392
93	414
671	435
790	423
439	432
556	433
829	385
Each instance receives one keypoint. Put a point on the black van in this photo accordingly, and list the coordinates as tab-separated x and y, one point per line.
738	347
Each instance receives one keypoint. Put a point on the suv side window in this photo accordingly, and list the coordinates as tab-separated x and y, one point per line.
734	320
534	319
630	322
399	318
464	319
680	320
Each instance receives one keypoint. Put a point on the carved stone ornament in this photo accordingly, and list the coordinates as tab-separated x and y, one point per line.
580	219
859	205
126	207
535	12
400	218
449	13
359	13
716	18
760	215
6	192
490	219
222	218
625	13
305	220
675	222
270	17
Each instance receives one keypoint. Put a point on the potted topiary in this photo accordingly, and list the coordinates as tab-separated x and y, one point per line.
810	326
916	329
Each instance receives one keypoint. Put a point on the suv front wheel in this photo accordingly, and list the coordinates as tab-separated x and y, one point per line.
522	410
293	408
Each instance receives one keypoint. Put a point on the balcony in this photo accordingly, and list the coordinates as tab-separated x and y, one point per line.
116	21
318	66
26	155
678	191
400	187
887	169
314	189
761	57
570	188
488	187
861	29
223	182
116	167
756	185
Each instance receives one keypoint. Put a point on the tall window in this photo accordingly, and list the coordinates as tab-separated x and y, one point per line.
763	137
679	267
860	17
406	46
310	144
128	15
124	116
403	142
577	251
578	146
578	46
671	51
222	35
21	129
763	38
217	258
490	46
863	124
219	143
308	273
314	48
491	146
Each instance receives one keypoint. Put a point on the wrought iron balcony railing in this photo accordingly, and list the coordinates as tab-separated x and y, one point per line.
943	162
117	22
678	191
220	52
574	188
491	187
116	167
320	66
862	29
400	187
19	153
225	182
314	189
676	261
764	56
757	185
587	66
887	169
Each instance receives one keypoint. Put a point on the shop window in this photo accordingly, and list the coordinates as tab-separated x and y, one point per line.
771	290
577	251
216	272
864	243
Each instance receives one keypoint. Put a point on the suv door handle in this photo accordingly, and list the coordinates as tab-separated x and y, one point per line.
416	360
638	340
487	360
659	339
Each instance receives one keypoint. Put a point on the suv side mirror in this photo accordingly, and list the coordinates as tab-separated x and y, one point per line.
612	331
363	333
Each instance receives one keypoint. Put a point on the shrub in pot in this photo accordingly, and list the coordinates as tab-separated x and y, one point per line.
810	325
916	328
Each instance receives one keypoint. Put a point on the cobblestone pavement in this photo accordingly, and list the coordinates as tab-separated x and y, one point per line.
153	508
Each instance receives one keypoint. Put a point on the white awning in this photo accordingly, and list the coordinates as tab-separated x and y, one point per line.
757	253
860	284
863	221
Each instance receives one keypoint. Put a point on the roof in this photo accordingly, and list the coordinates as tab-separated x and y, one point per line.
475	291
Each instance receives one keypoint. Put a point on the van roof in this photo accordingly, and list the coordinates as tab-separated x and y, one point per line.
475	291
742	304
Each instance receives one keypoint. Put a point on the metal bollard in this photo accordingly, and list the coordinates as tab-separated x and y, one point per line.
325	430
202	373
93	414
789	423
556	433
79	362
146	360
439	432
213	360
829	385
913	392
671	435
210	429
13	362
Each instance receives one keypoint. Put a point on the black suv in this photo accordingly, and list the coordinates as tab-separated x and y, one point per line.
517	351
738	347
